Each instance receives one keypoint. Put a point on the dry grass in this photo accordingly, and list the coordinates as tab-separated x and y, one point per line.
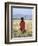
16	31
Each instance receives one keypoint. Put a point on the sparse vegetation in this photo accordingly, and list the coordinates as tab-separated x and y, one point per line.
16	29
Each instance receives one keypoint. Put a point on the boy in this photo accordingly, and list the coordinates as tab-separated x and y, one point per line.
22	25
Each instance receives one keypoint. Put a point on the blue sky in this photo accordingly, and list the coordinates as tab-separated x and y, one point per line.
21	12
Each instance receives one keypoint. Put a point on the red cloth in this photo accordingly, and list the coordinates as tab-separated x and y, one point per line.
22	25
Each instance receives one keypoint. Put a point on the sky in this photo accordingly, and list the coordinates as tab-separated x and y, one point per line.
21	12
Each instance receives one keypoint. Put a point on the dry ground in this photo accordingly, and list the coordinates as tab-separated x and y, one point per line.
16	29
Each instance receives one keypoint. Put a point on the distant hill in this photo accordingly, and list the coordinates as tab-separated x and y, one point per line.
18	16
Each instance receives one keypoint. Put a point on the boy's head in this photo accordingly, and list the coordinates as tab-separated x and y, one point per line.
22	18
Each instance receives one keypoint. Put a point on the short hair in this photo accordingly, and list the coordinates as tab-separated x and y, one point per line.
22	18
